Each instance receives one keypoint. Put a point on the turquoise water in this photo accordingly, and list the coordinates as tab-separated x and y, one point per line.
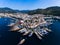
12	38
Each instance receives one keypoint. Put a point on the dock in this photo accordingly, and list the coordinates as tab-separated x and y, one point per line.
38	35
47	29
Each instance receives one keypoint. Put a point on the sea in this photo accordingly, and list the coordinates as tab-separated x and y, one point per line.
13	38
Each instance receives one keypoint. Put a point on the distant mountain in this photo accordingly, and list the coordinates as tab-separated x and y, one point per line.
24	11
55	10
9	10
6	10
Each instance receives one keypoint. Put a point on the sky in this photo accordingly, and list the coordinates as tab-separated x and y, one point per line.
28	4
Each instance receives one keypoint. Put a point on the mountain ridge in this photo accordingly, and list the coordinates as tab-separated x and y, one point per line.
54	10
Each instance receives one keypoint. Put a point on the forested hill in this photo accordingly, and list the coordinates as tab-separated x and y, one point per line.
55	10
9	10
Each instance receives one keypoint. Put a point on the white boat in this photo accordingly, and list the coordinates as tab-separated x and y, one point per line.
21	42
11	24
22	30
15	28
30	34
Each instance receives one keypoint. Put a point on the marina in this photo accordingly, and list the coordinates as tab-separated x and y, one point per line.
29	22
40	33
31	25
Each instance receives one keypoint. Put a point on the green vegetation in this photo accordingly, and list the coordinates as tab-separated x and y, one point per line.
48	11
7	10
55	10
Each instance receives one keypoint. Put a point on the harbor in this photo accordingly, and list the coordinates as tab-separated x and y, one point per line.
8	36
31	24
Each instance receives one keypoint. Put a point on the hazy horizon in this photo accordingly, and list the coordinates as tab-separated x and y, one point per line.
28	4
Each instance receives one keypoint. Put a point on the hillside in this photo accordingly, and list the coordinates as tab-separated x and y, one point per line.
55	10
7	10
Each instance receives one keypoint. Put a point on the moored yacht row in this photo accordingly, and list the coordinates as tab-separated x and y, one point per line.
29	26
